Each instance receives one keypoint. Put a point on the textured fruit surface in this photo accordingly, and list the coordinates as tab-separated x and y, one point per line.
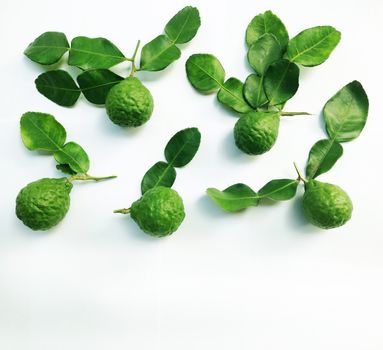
129	103
42	204
159	212
256	132
326	205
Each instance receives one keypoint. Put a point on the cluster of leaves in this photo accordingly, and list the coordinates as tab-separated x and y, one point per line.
94	57
345	116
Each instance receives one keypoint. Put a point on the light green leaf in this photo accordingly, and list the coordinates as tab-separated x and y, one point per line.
74	156
65	168
313	46
59	87
184	25
323	155
48	48
345	114
253	91
231	95
160	174
279	190
265	23
41	132
205	72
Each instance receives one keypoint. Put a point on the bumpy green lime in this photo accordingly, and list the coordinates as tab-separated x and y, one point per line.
42	204
159	212
256	132
129	103
326	205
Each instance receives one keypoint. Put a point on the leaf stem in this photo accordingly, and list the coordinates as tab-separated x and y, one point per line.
122	211
291	114
134	68
85	177
300	176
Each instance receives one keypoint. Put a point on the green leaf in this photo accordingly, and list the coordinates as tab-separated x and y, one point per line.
345	114
279	190
265	51
231	95
59	87
323	155
313	46
96	83
281	82
234	198
184	25
266	23
182	147
73	155
92	53
160	174
41	132
205	72
158	54
254	92
48	48
65	168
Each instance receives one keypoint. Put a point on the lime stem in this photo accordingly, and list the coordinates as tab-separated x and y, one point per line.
300	176
122	211
134	68
291	114
85	177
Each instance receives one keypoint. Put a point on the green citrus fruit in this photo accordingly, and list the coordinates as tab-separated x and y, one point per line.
256	132
326	205
42	204
159	212
129	103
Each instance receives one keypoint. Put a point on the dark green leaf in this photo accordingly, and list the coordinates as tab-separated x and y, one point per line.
281	82
182	147
93	53
234	198
96	83
323	155
205	72
158	54
265	51
313	46
231	95
65	168
345	114
266	23
160	174
183	26
253	91
41	132
59	87
279	190
73	155
48	48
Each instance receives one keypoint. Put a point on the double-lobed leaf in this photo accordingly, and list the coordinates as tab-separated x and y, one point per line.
231	95
279	190
323	155
74	156
253	91
160	174
313	46
59	87
345	114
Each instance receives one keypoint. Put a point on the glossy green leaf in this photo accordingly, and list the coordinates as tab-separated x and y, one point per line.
65	168
323	155
205	72
182	147
93	53
231	95
234	198
96	83
279	190
265	51
264	23
59	87
313	46
41	132
48	48
160	174
158	54
345	114
74	156
184	25
281	81
254	92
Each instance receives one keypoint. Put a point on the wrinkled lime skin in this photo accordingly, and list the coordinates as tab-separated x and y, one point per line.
326	205
42	204
129	103
159	212
256	132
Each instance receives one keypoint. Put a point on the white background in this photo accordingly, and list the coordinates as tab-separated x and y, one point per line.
262	279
